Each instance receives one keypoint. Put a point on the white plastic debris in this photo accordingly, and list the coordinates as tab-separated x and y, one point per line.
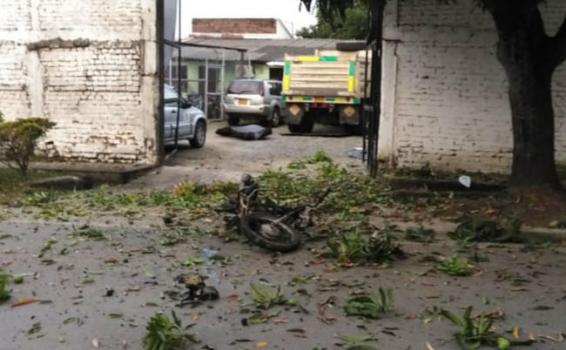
465	181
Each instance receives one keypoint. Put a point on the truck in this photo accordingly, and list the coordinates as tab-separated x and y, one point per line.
326	88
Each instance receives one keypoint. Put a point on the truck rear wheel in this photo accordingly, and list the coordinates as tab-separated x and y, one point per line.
305	127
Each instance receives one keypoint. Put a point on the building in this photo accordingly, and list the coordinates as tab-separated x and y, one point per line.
240	28
91	67
444	93
206	73
256	49
445	100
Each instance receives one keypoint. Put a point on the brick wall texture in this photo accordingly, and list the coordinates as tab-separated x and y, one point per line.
85	65
235	26
451	108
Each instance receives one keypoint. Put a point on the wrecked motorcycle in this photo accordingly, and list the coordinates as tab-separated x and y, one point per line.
264	222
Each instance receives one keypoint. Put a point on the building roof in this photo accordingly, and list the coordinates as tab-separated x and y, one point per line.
240	27
258	50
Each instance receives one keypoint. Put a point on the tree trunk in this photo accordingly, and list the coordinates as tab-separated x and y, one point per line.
530	95
529	58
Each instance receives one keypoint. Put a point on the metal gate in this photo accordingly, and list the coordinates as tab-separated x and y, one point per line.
372	98
172	52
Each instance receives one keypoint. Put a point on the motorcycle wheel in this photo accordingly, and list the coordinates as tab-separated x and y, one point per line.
263	230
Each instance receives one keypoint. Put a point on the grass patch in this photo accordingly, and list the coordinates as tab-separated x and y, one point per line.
476	229
14	186
4	293
354	248
188	196
374	306
265	297
350	191
475	332
455	266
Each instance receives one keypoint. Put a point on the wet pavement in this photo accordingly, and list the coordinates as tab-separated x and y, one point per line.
100	294
226	158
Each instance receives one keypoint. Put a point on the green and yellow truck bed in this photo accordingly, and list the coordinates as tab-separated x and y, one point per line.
327	87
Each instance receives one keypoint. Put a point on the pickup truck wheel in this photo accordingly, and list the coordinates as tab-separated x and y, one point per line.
308	125
233	120
276	118
199	139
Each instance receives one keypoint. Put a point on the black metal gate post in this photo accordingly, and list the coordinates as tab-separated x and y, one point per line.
372	106
179	57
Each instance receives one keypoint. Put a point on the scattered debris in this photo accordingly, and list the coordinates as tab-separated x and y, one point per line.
557	224
455	266
356	153
265	297
166	334
4	293
474	229
197	290
88	233
35	328
476	331
323	310
465	181
24	301
420	234
351	248
357	342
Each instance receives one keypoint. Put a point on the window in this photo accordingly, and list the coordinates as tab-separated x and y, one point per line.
170	93
213	79
275	89
246	87
184	76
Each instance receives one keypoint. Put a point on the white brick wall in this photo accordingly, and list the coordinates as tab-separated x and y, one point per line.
445	95
90	66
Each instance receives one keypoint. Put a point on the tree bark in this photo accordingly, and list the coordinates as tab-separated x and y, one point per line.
530	58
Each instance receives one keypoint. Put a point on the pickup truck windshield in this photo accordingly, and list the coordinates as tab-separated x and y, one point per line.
242	87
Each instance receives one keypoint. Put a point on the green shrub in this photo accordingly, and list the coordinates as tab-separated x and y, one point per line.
18	139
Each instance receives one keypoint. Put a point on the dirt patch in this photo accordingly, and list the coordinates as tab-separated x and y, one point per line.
536	209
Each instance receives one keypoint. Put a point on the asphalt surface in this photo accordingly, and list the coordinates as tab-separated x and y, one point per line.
226	158
75	310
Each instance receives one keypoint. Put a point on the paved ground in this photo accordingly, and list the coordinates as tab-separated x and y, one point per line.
226	158
74	308
73	277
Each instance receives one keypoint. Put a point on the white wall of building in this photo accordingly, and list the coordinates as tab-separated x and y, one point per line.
444	92
91	67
